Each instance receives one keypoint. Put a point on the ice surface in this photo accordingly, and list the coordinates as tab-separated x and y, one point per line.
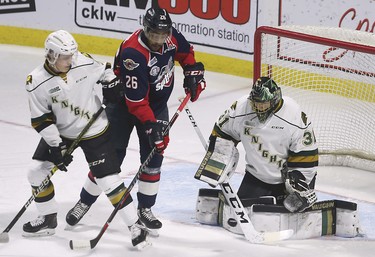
181	235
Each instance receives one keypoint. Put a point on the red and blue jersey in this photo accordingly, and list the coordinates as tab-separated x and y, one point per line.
148	76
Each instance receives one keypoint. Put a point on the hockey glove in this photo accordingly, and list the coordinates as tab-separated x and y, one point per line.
154	131
300	195
112	91
194	82
111	86
59	157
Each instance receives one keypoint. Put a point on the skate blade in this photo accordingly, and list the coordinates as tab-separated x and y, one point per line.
68	227
44	232
143	245
153	232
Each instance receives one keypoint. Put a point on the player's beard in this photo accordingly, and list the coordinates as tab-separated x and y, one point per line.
155	47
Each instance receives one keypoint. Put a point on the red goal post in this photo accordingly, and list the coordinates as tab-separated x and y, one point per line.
330	72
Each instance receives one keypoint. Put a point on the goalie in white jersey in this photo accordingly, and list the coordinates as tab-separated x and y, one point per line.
62	100
281	150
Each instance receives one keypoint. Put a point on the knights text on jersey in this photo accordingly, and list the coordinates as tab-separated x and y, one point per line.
149	76
69	99
286	136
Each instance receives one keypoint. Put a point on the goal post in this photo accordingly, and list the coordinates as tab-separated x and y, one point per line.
330	72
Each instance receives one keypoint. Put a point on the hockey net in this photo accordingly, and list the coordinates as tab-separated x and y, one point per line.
330	72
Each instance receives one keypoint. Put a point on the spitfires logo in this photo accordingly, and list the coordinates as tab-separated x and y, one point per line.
129	64
16	6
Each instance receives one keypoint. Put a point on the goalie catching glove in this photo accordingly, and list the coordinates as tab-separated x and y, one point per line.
219	163
194	82
300	195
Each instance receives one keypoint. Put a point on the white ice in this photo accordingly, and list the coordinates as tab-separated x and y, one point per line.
181	235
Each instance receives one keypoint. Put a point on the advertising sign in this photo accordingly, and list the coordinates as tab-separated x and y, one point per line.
222	24
17	6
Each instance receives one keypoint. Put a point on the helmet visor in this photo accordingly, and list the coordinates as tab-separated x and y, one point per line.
261	107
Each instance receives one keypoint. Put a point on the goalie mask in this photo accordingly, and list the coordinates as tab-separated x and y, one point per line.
157	27
264	97
59	43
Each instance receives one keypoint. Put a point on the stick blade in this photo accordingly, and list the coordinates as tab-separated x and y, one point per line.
268	237
278	236
4	237
80	245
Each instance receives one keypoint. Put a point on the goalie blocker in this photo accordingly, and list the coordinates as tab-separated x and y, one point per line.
332	217
219	163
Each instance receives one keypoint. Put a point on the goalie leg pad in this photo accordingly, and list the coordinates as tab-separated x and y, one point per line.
211	206
347	221
332	217
219	162
228	220
207	207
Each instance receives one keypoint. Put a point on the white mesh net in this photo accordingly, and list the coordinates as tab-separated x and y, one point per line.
331	73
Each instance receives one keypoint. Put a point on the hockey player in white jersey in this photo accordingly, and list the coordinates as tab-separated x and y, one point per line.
281	150
62	100
277	190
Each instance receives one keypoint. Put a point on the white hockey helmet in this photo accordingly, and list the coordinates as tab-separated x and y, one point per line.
58	43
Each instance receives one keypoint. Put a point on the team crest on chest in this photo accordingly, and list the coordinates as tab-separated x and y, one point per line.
165	76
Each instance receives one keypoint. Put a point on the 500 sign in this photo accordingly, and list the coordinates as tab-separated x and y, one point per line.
223	24
213	9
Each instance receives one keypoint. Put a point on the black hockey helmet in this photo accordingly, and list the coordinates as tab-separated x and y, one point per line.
157	27
157	20
264	97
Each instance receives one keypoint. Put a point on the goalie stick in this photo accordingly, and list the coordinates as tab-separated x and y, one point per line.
4	237
90	244
235	203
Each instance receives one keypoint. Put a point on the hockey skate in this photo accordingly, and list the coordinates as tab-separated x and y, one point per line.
41	226
139	235
149	220
76	213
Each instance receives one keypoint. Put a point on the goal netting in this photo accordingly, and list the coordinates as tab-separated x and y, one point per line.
330	72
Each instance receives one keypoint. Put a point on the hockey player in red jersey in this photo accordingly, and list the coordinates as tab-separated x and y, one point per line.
62	99
145	64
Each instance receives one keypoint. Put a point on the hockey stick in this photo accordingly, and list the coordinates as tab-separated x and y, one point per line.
90	244
4	237
235	203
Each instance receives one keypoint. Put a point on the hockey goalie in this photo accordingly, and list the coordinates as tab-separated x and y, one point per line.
277	190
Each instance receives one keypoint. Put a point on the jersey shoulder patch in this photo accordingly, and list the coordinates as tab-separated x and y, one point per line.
130	64
29	80
234	106
304	118
87	55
